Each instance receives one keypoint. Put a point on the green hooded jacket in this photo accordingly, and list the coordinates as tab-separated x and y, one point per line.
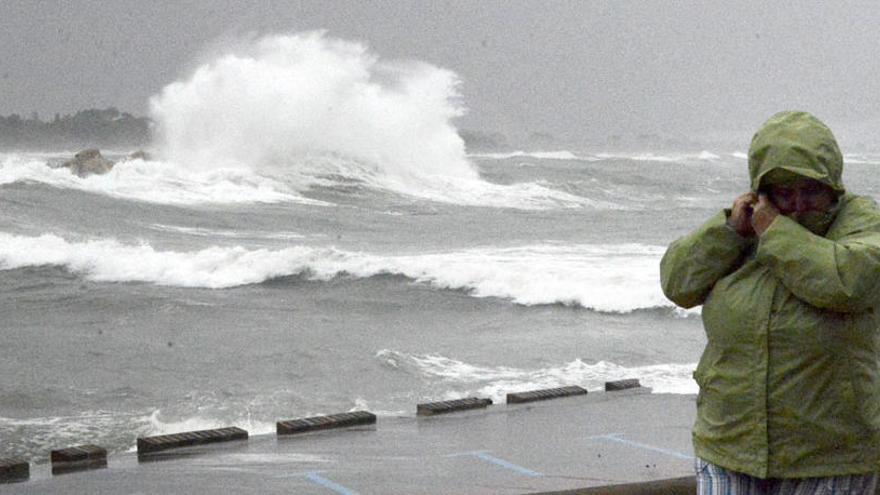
789	382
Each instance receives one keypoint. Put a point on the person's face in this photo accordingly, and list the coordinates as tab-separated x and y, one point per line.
802	196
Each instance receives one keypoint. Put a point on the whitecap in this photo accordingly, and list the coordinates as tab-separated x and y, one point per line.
157	182
231	234
542	155
615	278
467	379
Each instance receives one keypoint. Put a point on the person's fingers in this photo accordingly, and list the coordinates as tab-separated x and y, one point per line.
763	214
738	209
743	200
746	199
739	215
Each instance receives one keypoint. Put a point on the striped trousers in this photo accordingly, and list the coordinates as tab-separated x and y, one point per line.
715	480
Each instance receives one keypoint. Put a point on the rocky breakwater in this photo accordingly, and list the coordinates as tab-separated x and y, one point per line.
91	162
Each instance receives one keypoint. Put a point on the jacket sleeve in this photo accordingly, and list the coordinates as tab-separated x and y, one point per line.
691	265
841	274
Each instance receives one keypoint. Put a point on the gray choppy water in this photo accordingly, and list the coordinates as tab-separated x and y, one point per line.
152	301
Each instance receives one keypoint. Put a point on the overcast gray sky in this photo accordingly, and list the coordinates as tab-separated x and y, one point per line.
572	69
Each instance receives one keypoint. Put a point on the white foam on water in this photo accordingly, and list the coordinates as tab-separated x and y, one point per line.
361	404
542	155
496	382
231	234
708	155
702	156
163	182
331	171
156	182
861	158
604	277
526	196
639	157
89	419
35	436
868	158
158	426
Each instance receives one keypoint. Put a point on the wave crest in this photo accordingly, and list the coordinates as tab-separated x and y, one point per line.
608	278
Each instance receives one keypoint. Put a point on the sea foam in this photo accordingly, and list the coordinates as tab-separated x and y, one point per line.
607	278
702	156
496	381
540	155
154	182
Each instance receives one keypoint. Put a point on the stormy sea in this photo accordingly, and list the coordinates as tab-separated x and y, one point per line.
310	235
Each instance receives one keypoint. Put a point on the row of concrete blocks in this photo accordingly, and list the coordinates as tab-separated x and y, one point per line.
84	457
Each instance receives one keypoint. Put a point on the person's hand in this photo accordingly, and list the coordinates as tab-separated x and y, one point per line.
763	214
740	215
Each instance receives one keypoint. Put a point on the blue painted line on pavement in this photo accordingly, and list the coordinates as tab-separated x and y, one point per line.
507	465
472	453
330	485
616	437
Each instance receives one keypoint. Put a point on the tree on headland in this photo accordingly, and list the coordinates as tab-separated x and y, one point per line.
91	128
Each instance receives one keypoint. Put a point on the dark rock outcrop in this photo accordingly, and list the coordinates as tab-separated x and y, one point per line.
89	162
140	155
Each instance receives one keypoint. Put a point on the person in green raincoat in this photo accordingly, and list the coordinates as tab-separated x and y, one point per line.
789	280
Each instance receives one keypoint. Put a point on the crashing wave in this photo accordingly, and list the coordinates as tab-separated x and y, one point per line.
608	278
469	379
306	106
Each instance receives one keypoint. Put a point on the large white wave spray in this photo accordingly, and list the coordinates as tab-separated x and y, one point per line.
309	107
280	98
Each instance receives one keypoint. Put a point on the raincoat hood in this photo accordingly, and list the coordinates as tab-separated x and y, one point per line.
795	144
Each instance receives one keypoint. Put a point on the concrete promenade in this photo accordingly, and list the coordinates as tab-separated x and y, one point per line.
559	445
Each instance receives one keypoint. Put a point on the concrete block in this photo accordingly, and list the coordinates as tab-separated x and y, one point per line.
622	384
147	445
303	425
432	408
13	470
78	458
545	394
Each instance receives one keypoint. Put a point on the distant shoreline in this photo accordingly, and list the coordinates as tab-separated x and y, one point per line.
111	128
91	128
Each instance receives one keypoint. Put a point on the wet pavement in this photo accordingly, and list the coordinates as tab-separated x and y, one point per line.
599	439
